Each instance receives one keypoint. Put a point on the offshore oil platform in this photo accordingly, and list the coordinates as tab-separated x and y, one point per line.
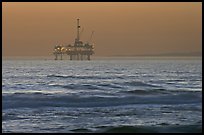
77	51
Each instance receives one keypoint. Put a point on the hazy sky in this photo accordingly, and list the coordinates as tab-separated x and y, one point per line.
132	28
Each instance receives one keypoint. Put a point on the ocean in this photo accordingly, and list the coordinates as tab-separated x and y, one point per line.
102	96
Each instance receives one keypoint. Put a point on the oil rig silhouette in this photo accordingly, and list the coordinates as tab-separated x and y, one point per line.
77	51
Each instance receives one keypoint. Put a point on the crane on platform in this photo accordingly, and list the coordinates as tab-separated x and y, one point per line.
90	37
80	34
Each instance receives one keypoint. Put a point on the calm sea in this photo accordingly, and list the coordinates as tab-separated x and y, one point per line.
135	95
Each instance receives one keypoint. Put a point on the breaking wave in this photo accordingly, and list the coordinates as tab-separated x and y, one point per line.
38	99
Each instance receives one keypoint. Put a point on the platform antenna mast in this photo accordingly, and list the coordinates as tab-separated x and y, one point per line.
78	27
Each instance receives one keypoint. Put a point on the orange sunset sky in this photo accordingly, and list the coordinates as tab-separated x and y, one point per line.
132	28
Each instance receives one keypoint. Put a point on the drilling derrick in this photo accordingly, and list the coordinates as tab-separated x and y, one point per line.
77	51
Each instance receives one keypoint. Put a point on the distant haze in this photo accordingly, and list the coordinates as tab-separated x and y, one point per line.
132	28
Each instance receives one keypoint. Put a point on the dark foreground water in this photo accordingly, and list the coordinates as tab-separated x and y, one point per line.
102	96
